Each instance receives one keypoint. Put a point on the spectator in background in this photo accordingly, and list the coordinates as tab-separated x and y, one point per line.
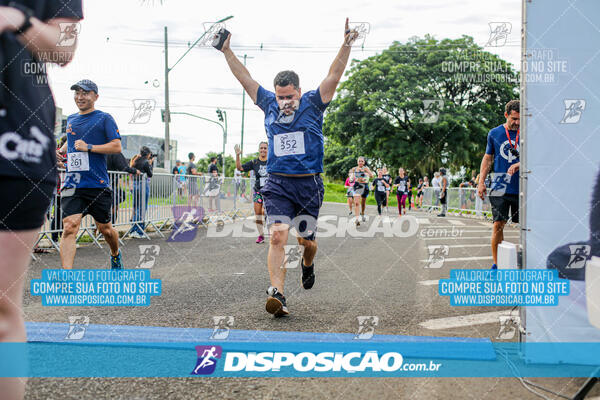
463	194
237	181
143	163
425	182
409	193
213	166
443	192
212	190
118	162
419	193
61	162
182	179
436	183
177	180
193	195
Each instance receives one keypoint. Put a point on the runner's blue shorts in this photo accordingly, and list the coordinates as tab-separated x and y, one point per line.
294	201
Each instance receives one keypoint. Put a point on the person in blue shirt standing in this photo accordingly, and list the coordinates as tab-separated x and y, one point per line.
91	135
293	192
503	149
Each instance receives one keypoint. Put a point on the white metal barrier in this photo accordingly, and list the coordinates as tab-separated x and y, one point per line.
146	204
462	201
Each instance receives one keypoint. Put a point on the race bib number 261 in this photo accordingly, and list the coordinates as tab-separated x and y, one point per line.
286	144
78	161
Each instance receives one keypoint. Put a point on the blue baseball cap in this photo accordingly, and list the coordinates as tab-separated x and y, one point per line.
86	85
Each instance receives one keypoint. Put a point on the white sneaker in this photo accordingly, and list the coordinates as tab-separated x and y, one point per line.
136	235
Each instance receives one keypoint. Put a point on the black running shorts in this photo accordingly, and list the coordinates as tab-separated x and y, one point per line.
504	207
24	203
96	202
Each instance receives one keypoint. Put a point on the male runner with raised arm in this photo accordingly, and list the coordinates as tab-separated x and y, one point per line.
293	193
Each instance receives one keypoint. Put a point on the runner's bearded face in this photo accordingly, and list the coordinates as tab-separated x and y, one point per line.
85	100
288	98
513	120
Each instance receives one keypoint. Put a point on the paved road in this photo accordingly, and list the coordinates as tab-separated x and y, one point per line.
356	276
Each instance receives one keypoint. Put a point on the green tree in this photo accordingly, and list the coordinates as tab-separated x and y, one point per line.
380	110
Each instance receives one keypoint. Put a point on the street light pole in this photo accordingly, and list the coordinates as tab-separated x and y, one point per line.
243	107
224	141
167	113
223	128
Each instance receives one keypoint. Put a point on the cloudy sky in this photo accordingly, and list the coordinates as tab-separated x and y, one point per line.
121	47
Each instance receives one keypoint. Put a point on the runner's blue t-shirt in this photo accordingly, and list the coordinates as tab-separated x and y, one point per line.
499	146
95	128
295	142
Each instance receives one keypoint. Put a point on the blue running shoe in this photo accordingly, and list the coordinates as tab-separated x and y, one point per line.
494	266
116	262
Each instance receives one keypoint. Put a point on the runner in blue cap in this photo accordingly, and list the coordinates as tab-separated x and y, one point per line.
293	192
91	134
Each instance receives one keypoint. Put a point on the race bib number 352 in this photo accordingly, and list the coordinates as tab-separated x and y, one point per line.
79	161
286	144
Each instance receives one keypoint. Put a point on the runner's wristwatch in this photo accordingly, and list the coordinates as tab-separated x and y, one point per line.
90	147
28	15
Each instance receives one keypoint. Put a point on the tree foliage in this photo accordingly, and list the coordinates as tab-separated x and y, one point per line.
379	111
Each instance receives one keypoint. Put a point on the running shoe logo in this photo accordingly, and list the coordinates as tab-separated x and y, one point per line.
437	255
292	255
68	33
142	110
222	325
207	359
579	256
77	327
508	326
148	254
573	111
499	32
431	111
366	326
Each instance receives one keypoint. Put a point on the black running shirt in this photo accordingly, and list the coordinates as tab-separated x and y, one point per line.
27	111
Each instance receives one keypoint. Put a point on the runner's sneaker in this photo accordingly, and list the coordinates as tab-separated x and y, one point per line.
116	262
261	239
135	235
363	218
494	266
441	215
308	275
276	303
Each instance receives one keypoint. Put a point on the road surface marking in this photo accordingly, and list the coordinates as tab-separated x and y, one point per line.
464	258
429	283
465	320
466	237
456	222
